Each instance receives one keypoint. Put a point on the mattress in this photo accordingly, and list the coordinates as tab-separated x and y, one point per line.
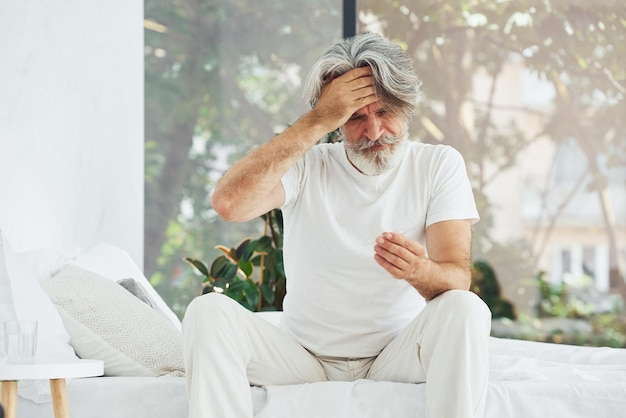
527	379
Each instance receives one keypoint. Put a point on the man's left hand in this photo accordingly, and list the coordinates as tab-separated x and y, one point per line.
401	256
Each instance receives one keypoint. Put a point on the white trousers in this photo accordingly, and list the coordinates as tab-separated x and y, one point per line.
228	348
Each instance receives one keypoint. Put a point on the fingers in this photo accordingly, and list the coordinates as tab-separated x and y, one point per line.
397	242
359	81
364	97
362	86
395	271
344	95
356	74
398	254
358	84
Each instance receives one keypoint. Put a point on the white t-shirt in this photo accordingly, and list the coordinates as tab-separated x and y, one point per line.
339	301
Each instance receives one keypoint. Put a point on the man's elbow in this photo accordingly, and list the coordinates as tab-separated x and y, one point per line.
225	207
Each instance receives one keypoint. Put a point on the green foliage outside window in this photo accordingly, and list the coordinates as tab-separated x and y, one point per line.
223	76
252	273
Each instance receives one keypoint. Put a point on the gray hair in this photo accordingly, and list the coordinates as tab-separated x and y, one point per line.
395	82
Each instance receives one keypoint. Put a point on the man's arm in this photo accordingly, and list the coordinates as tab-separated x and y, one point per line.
447	266
251	187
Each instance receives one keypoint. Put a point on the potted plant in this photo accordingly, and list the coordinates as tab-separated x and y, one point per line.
251	273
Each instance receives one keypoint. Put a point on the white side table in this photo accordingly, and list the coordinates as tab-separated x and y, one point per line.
55	372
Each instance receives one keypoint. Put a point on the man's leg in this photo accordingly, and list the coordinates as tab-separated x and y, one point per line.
227	348
445	346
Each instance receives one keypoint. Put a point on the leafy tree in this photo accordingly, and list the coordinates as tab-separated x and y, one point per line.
574	47
221	76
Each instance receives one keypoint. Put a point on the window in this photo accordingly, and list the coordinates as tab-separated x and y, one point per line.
221	77
528	93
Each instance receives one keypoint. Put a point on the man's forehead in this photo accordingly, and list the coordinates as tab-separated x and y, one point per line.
377	106
370	108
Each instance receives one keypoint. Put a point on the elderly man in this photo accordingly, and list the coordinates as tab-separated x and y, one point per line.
376	251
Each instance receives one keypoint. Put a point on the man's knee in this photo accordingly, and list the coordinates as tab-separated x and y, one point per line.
463	305
211	308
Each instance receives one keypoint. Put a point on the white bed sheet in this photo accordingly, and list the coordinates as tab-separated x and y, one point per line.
527	379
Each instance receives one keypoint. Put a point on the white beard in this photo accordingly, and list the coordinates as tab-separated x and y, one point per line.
375	162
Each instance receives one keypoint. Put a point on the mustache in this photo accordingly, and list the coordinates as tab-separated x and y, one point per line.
366	143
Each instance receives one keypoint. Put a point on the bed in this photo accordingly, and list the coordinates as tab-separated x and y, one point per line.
527	379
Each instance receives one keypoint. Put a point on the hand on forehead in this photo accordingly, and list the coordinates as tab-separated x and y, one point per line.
349	75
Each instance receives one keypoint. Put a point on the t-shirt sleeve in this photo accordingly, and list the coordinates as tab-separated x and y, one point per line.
292	183
452	196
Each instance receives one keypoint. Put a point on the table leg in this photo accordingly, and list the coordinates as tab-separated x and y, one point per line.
58	389
9	398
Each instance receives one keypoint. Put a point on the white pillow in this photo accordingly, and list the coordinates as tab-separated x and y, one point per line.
108	323
115	264
21	297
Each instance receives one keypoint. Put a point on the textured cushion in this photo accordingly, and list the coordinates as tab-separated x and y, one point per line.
108	323
115	264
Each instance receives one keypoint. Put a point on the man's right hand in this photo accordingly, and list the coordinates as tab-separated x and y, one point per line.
342	96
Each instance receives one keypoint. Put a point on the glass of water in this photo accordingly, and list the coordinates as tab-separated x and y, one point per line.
20	342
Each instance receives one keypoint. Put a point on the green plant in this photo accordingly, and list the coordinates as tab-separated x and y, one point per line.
564	299
252	273
485	285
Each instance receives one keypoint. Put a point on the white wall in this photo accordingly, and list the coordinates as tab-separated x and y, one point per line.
71	123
